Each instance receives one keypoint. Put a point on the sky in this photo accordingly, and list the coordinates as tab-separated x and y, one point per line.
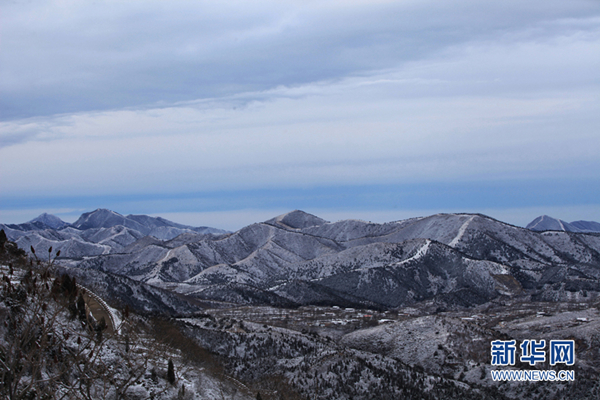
225	113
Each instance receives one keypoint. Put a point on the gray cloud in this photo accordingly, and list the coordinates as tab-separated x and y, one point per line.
155	100
62	57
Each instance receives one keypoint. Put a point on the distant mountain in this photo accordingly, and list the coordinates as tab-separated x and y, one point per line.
587	226
103	218
51	221
98	232
546	223
44	221
146	225
296	219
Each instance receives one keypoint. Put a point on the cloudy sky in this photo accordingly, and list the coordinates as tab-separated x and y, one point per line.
224	113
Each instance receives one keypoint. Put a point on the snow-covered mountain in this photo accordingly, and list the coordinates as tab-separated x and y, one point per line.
42	222
148	226
98	232
51	221
586	226
546	223
455	259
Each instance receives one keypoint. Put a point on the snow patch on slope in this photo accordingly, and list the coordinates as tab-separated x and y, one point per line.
420	253
461	232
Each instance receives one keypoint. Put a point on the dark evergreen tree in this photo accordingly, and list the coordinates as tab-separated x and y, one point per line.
171	372
81	308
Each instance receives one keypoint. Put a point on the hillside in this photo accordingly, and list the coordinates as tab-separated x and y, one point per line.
60	341
220	351
56	345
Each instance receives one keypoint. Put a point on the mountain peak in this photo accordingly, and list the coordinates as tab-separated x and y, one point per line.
546	223
50	220
104	211
99	218
296	219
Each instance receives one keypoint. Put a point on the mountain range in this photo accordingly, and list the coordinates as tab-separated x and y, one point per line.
297	258
97	232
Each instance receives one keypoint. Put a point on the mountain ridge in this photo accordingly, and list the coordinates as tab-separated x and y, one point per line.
385	265
547	223
93	227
